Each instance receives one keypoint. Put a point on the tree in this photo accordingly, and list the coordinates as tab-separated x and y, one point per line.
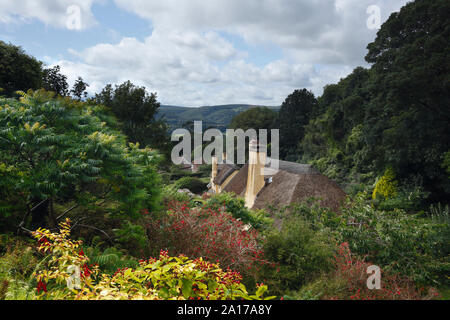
136	110
294	115
79	89
254	118
18	71
54	80
61	159
407	119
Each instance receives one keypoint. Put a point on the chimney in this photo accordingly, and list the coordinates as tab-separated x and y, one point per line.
214	174
255	179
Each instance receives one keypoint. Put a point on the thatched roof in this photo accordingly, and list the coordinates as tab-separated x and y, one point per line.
291	183
224	171
287	188
239	182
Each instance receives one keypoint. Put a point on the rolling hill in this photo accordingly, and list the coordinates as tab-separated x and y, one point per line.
212	116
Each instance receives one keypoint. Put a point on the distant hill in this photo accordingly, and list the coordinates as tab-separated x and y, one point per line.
212	116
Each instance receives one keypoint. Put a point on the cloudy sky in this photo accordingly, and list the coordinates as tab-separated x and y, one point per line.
199	52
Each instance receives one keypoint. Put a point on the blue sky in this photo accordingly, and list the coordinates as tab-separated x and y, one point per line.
197	52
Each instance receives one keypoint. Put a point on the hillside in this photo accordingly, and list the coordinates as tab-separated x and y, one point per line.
212	116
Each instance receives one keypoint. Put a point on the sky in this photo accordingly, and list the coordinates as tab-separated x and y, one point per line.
199	52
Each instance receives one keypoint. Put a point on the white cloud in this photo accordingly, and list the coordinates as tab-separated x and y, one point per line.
188	68
317	31
189	61
55	13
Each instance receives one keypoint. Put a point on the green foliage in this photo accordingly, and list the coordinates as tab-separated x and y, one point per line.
18	261
111	259
168	278
236	206
394	114
53	80
386	186
408	114
61	157
79	89
349	282
212	116
255	118
411	245
195	185
136	111
294	115
18	71
298	255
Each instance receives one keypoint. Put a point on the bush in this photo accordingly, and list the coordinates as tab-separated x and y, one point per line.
386	186
297	255
213	235
77	166
17	264
349	282
110	259
411	245
236	206
174	278
195	185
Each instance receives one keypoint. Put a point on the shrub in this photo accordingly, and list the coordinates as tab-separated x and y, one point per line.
110	259
236	206
297	255
349	282
17	264
411	245
76	166
386	186
195	185
213	235
155	279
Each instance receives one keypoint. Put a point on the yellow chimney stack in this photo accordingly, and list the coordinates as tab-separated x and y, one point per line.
214	174
255	179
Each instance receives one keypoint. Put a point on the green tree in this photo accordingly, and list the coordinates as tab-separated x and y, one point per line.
79	89
60	158
54	80
136	110
254	118
408	116
294	115
18	71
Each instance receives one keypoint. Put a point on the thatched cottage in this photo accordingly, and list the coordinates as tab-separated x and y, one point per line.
263	186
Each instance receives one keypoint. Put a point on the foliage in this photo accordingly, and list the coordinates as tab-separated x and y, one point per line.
386	186
407	244
136	111
349	282
394	114
294	114
195	185
79	89
297	254
228	202
408	127
212	234
59	157
18	261
18	71
167	278
53	80
256	118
